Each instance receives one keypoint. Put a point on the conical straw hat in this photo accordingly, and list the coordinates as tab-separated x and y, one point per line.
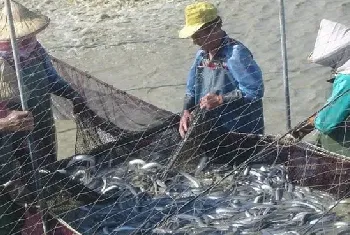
25	22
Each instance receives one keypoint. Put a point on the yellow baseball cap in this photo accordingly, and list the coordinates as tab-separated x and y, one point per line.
196	15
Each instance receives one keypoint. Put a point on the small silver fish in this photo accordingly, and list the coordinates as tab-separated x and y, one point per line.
226	210
191	218
301	217
120	229
151	165
194	182
83	158
201	165
259	199
278	194
246	171
137	162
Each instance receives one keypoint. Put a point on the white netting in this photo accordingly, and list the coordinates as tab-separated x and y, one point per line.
112	163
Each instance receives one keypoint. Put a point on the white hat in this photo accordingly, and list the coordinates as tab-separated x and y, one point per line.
25	22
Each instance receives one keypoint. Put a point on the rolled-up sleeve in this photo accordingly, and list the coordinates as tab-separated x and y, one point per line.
337	108
246	72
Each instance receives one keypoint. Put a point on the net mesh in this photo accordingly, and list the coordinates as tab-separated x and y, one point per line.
132	173
121	162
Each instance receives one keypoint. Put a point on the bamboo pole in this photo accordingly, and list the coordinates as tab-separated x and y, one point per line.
38	185
285	63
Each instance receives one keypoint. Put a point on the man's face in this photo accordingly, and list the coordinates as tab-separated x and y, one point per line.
202	38
21	43
5	46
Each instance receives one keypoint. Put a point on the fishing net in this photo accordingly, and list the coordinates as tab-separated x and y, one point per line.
132	173
118	181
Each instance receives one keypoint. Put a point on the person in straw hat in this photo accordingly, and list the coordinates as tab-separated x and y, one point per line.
40	79
332	121
224	78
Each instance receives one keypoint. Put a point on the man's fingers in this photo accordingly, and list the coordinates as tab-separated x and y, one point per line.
26	123
26	128
208	105
21	113
205	98
26	120
182	131
210	101
203	103
288	140
184	125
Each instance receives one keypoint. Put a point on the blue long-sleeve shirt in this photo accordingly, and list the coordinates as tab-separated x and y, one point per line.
246	114
339	106
246	74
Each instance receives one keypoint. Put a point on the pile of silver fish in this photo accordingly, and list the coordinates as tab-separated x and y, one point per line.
257	199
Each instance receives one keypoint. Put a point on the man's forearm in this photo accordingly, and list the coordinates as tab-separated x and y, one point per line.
59	86
63	89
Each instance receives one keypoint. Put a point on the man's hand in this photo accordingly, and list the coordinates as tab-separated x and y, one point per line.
184	123
287	140
17	121
299	132
210	101
304	128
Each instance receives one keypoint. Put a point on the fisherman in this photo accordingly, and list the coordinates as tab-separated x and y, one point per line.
332	121
40	79
224	79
